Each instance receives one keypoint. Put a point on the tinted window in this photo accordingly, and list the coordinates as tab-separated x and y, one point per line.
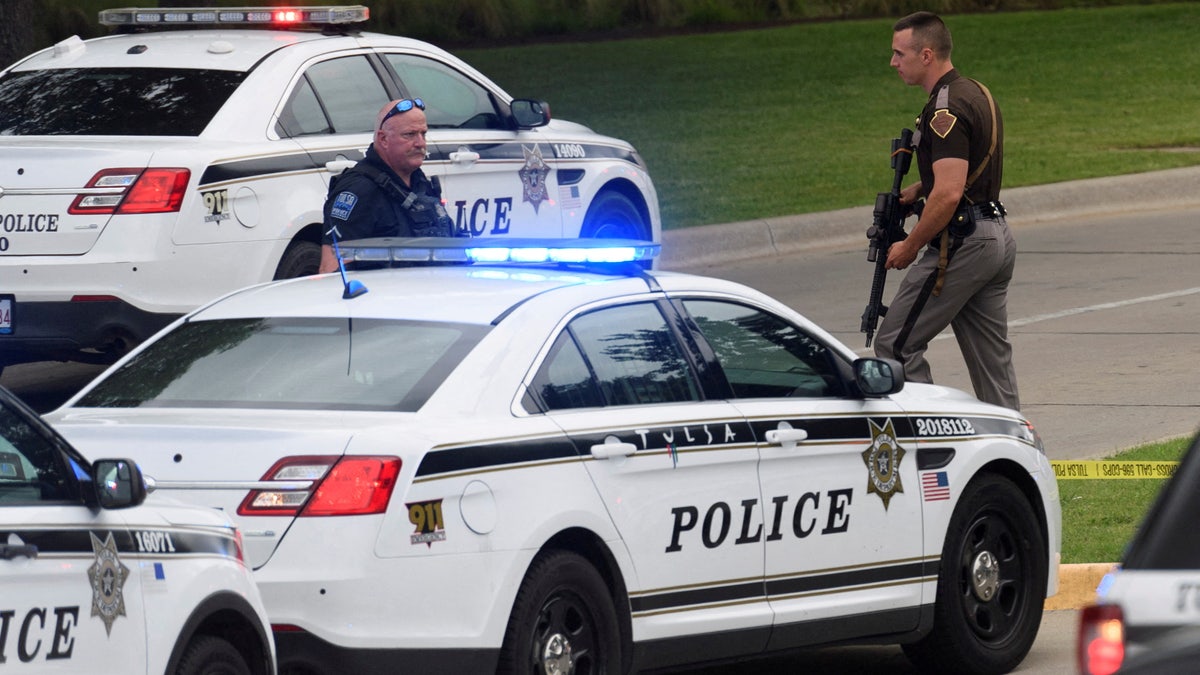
116	101
303	114
320	363
763	355
619	356
341	96
452	100
32	469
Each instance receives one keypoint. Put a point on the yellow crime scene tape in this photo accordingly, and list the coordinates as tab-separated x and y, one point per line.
1111	469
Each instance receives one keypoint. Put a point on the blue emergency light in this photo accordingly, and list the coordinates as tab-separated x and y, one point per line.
499	251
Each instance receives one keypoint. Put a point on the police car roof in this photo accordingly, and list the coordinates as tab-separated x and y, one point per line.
216	49
455	293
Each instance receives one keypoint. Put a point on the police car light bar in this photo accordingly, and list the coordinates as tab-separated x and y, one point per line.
499	251
277	16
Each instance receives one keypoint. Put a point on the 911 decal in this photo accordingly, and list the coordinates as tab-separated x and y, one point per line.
216	205
427	517
944	426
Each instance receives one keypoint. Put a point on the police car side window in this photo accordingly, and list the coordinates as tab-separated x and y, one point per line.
566	381
763	355
302	115
32	470
349	92
452	100
623	355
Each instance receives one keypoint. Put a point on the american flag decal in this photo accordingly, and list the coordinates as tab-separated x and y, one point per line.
935	485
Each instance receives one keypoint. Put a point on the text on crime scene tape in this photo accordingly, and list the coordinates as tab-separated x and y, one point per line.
1112	469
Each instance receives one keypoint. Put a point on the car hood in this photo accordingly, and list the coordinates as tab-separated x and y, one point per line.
920	395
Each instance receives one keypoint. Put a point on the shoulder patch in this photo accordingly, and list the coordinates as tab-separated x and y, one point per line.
942	122
343	204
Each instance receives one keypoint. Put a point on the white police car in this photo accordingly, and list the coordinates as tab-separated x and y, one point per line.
482	467
148	172
94	581
1149	609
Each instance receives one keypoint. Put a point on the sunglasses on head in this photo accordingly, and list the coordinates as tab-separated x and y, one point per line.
402	106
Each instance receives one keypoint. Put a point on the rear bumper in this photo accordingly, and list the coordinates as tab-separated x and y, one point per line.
89	331
302	653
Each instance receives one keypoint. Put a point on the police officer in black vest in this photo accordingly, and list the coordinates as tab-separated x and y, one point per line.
386	194
962	247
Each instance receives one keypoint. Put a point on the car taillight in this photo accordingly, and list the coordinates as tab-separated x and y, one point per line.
1101	644
133	191
325	486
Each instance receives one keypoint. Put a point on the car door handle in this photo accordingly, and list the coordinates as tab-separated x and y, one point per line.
337	166
464	156
613	447
782	436
10	551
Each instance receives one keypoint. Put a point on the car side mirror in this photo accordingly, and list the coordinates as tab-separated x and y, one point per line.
528	113
119	483
878	377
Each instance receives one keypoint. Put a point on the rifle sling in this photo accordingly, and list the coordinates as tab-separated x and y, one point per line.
944	245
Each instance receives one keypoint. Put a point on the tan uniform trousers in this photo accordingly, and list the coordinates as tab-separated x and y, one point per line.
973	300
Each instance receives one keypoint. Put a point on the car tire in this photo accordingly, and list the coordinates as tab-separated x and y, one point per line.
211	655
563	621
300	259
991	587
612	215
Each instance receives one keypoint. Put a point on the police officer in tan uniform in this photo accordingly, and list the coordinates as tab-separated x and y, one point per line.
962	248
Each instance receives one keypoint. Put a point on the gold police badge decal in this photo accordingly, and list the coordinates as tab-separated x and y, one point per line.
883	462
533	177
108	575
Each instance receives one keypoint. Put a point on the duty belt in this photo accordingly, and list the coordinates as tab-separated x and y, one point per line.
962	225
985	211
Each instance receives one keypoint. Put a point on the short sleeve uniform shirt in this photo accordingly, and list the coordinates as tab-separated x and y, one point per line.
957	123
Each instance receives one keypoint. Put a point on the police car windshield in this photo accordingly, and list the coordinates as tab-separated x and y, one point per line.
113	101
306	364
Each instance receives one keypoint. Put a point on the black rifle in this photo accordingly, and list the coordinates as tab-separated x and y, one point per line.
887	229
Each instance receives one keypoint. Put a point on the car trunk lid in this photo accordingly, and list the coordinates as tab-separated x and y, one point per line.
214	459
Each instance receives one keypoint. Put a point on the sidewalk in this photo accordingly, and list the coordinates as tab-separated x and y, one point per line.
696	246
710	244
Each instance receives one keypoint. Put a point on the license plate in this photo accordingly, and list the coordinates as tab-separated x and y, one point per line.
6	312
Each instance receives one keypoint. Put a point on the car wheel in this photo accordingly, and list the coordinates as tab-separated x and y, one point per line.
300	259
211	655
991	587
613	216
562	622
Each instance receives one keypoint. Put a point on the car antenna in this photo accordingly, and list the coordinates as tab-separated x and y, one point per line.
353	287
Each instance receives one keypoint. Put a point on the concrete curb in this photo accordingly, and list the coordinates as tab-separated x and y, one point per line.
1077	585
846	228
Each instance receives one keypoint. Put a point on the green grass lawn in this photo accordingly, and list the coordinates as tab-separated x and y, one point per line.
799	118
1100	516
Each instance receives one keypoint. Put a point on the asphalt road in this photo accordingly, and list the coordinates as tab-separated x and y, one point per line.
1105	320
